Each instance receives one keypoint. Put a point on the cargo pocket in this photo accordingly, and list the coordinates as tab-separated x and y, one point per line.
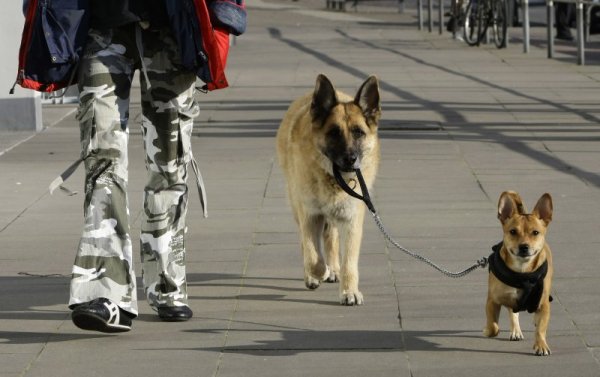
87	128
186	125
184	153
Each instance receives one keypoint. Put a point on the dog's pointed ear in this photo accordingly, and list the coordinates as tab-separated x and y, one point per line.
367	98
543	209
324	99
520	207
509	204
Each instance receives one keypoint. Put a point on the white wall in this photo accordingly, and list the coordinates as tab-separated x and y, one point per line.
22	110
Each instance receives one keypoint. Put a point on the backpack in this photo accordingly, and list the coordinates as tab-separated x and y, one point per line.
55	33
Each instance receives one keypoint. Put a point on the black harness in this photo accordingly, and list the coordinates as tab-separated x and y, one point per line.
531	283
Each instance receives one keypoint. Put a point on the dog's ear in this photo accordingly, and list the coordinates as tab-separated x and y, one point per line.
543	208
367	98
324	99
509	204
520	207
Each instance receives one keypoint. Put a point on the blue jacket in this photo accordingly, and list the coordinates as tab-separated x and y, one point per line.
55	33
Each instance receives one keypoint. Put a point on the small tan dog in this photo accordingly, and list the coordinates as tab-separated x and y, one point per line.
322	131
521	269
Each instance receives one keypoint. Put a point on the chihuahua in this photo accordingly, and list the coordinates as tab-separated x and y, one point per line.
521	269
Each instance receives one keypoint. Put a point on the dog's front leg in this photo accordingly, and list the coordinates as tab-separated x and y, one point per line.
515	326
492	311
541	319
350	239
315	269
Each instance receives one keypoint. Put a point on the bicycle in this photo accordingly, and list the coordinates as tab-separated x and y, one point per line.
457	16
480	15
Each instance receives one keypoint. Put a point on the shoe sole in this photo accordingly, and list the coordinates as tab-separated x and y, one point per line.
174	319
92	322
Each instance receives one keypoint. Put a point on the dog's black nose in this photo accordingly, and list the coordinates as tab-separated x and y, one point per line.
524	249
350	160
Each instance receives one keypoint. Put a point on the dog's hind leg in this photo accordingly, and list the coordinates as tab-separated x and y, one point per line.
515	327
331	240
315	269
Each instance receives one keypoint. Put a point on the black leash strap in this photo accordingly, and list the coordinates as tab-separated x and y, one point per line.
363	187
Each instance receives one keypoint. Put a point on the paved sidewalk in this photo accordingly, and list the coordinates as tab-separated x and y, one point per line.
460	125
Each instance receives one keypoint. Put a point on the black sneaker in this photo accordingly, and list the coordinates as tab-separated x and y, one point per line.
565	36
101	315
174	313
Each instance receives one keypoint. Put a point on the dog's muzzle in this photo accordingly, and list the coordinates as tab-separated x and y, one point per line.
348	163
524	250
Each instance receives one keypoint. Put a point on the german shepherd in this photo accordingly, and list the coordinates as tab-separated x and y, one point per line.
322	131
521	269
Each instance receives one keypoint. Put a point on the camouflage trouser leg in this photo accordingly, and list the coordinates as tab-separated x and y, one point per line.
103	266
168	109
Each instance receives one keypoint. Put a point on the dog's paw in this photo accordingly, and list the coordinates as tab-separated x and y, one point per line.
516	335
541	348
311	283
333	276
351	298
491	331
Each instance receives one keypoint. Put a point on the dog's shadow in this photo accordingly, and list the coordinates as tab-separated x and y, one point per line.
292	342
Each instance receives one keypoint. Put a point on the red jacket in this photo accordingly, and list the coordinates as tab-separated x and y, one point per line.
55	32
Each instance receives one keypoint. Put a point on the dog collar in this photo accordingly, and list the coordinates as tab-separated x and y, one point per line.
531	283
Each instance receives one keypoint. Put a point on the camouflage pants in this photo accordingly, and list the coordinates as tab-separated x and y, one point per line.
104	265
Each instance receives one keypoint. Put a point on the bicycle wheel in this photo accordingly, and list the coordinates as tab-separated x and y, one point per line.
471	23
499	22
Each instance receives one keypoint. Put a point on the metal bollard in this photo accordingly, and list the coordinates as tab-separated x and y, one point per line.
429	14
441	16
549	27
580	40
525	6
420	13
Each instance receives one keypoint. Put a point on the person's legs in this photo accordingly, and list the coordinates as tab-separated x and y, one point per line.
103	267
563	13
168	110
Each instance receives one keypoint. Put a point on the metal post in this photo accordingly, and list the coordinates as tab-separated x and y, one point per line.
549	27
420	13
587	14
525	5
580	41
441	16
509	19
429	14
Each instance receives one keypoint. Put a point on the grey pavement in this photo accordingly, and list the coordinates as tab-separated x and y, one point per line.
460	125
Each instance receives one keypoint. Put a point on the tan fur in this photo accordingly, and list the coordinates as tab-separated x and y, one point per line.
327	217
520	228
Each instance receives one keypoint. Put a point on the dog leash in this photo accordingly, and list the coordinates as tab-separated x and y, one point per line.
365	197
